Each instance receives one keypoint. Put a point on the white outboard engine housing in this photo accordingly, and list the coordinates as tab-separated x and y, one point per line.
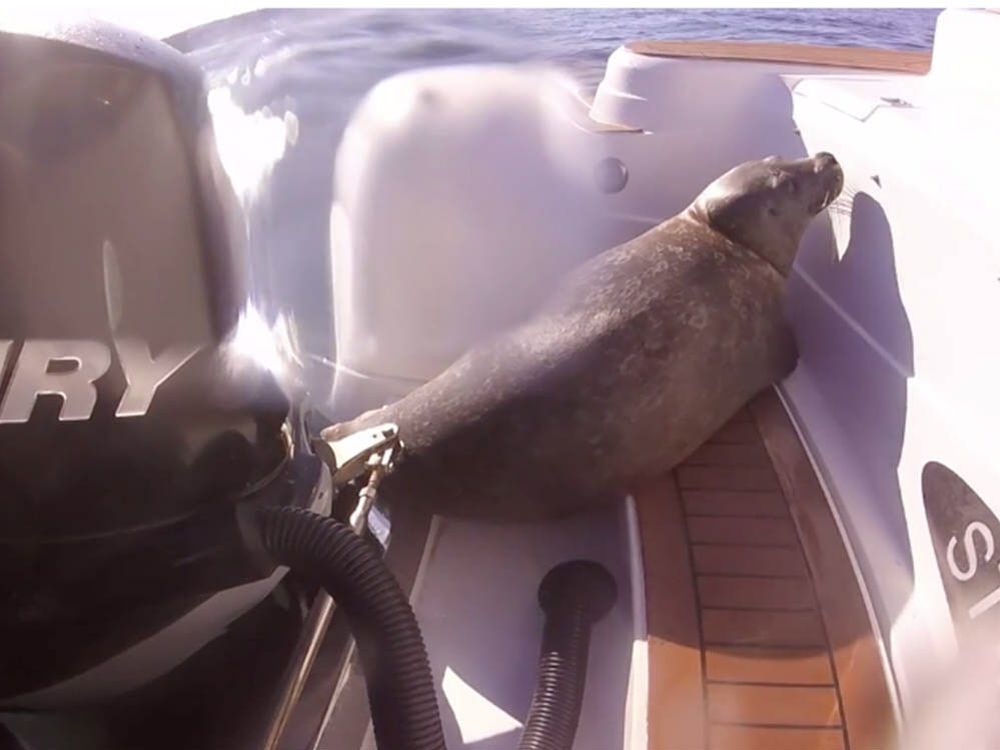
462	195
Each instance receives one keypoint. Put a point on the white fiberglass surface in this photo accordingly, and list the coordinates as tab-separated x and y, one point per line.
476	599
892	299
898	371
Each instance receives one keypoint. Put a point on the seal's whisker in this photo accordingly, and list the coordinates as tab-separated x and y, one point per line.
843	203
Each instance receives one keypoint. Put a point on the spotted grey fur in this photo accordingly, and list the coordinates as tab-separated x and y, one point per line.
642	353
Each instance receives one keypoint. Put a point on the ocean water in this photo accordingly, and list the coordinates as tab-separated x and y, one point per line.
364	41
284	84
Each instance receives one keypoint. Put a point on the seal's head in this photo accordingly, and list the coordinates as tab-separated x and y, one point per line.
766	205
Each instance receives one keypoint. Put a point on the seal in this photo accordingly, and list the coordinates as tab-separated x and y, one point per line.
641	354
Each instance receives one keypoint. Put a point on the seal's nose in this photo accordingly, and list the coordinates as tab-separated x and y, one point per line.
824	160
829	180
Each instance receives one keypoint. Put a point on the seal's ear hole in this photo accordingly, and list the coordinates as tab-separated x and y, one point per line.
772	210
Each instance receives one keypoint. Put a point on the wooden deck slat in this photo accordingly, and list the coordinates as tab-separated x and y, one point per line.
800	55
755	593
773	705
763	665
755	504
723	737
731	559
735	433
743	415
752	532
676	718
726	478
736	627
867	704
787	657
729	454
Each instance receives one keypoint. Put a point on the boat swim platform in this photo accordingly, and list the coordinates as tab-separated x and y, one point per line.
758	633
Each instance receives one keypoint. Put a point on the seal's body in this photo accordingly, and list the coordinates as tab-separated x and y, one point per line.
641	355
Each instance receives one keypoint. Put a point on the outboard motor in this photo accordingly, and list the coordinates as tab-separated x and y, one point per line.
132	422
156	476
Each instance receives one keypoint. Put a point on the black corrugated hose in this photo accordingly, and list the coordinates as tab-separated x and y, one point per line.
397	674
573	595
401	693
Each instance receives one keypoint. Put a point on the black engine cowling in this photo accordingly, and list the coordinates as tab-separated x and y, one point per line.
130	424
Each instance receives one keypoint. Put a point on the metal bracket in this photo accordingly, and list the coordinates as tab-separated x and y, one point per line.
372	450
348	457
379	464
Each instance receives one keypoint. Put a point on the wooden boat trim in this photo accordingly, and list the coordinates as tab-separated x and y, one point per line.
758	632
676	698
581	117
865	58
858	662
